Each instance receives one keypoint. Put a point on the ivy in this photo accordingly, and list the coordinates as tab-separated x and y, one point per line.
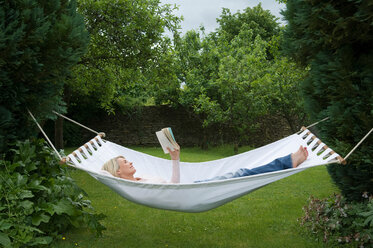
38	201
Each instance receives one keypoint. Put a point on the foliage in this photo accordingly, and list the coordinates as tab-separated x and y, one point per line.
40	42
127	46
234	106
162	83
128	55
38	201
335	39
236	75
338	221
261	22
278	92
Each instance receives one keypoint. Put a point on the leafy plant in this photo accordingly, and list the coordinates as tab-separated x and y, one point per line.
340	221
38	201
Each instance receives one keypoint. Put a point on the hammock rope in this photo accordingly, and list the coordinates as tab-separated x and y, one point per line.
77	123
45	135
102	134
358	144
313	124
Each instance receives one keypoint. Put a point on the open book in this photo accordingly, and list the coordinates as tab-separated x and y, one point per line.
167	139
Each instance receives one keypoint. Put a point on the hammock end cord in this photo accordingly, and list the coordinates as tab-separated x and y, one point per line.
66	159
340	159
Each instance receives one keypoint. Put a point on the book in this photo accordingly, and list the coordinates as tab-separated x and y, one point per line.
167	139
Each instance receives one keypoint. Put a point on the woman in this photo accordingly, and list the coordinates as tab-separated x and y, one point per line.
120	167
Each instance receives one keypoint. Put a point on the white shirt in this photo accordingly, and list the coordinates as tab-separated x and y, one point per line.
175	178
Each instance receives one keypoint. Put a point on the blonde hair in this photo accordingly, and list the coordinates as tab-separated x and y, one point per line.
112	166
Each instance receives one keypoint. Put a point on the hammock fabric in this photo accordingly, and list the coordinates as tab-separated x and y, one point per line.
196	197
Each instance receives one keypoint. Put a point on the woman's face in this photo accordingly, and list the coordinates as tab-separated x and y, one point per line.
126	169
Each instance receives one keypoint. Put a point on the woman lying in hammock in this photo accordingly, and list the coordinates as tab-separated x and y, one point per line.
120	167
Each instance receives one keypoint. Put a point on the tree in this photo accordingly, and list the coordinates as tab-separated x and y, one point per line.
251	86
40	42
127	47
234	107
278	91
127	41
261	22
335	39
231	78
198	54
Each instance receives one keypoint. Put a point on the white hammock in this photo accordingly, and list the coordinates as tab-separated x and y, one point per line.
197	197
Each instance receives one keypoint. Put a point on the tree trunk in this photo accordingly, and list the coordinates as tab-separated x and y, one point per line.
58	133
236	142
291	123
204	145
58	124
235	148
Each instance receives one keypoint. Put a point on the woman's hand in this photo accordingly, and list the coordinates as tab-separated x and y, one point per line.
175	155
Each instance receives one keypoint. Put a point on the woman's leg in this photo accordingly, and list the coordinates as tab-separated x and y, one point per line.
287	162
276	165
290	161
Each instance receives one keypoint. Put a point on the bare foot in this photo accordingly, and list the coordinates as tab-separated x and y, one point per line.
299	156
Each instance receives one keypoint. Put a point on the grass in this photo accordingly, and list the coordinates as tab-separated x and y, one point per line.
264	218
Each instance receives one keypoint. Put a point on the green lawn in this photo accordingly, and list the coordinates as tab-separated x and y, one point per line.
264	218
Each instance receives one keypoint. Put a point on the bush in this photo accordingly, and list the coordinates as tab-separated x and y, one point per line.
339	221
334	39
38	201
41	40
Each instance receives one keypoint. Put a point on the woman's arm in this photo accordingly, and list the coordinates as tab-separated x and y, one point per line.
175	157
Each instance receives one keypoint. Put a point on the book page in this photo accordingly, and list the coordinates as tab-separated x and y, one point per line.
163	140
168	132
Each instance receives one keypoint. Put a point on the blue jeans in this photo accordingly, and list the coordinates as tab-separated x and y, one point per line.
276	165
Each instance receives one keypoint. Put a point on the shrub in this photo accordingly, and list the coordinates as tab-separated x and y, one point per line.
41	40
339	221
38	201
334	39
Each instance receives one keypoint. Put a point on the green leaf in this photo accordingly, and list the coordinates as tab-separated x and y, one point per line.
4	225
41	241
4	240
40	217
25	194
26	204
35	184
369	220
64	206
47	207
